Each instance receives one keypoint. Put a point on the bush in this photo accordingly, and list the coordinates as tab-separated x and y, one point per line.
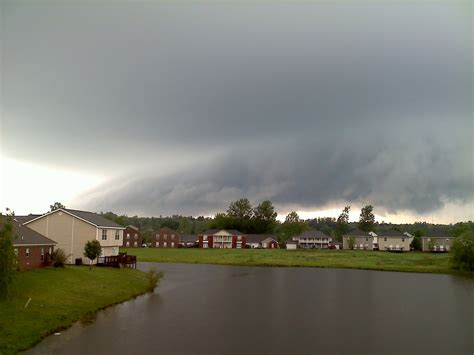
463	252
58	257
153	278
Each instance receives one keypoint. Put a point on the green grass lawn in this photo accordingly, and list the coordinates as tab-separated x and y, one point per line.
369	260
60	297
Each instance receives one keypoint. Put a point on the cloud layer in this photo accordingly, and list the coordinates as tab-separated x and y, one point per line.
185	107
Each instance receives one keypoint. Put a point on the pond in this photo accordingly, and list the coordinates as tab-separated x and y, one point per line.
211	309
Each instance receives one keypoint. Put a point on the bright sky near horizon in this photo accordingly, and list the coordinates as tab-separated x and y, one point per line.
161	108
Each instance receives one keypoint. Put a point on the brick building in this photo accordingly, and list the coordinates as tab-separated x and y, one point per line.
215	238
132	238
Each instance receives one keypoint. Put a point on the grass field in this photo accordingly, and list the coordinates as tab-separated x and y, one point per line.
369	260
60	297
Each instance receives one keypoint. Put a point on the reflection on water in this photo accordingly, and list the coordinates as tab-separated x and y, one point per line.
210	309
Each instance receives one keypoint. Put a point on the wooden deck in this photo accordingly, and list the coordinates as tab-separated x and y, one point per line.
118	261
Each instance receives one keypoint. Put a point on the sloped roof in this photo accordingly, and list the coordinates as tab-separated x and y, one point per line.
189	238
392	233
94	218
24	219
357	233
167	230
133	227
438	235
312	234
214	231
90	217
258	238
26	236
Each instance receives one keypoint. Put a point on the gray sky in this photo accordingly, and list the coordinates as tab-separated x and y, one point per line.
182	107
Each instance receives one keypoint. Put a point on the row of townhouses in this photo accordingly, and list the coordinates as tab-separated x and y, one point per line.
68	229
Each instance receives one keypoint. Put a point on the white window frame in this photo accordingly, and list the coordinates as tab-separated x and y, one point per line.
117	234
104	234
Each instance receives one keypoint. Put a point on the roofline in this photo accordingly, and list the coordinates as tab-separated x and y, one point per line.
32	245
75	216
437	236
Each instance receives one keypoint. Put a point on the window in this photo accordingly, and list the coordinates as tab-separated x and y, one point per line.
384	239
128	244
16	251
27	252
366	239
165	244
117	234
166	236
136	236
128	235
104	234
204	238
50	250
172	244
403	239
157	244
135	244
172	236
42	254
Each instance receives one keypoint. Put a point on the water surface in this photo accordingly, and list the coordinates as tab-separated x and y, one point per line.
211	309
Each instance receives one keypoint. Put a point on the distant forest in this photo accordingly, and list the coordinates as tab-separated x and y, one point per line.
262	219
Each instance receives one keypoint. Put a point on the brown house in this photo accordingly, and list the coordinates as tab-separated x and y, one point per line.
361	240
132	237
215	238
166	238
437	243
32	249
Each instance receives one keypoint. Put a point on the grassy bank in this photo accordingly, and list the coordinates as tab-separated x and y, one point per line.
369	260
60	297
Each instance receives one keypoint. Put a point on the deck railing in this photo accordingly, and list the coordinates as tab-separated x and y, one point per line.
118	261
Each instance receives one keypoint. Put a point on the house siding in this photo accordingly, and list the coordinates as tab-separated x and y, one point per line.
132	238
393	241
447	243
71	234
34	259
366	241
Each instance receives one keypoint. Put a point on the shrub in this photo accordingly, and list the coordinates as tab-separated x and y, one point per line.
153	278
351	242
463	252
59	257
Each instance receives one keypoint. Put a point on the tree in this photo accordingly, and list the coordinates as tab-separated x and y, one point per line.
240	209
431	244
264	217
7	255
416	242
56	206
292	226
366	218
92	250
292	217
351	242
463	252
342	225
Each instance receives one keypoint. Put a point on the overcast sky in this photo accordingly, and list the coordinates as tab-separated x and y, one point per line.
164	107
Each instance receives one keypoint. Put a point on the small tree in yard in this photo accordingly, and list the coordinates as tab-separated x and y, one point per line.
351	242
7	256
92	250
431	244
463	252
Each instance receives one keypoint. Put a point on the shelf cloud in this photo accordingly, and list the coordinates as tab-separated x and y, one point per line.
186	107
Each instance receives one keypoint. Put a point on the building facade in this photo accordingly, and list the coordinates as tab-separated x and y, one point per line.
358	240
166	238
222	239
393	240
437	243
312	239
132	238
72	229
265	241
32	249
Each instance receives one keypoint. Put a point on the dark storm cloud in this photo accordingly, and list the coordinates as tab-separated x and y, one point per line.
306	104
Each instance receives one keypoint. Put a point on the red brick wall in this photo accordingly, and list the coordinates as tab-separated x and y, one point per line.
34	259
131	239
166	236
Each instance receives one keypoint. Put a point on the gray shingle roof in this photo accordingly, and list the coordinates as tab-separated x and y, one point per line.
258	238
392	233
189	238
312	234
25	236
357	233
94	218
214	231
